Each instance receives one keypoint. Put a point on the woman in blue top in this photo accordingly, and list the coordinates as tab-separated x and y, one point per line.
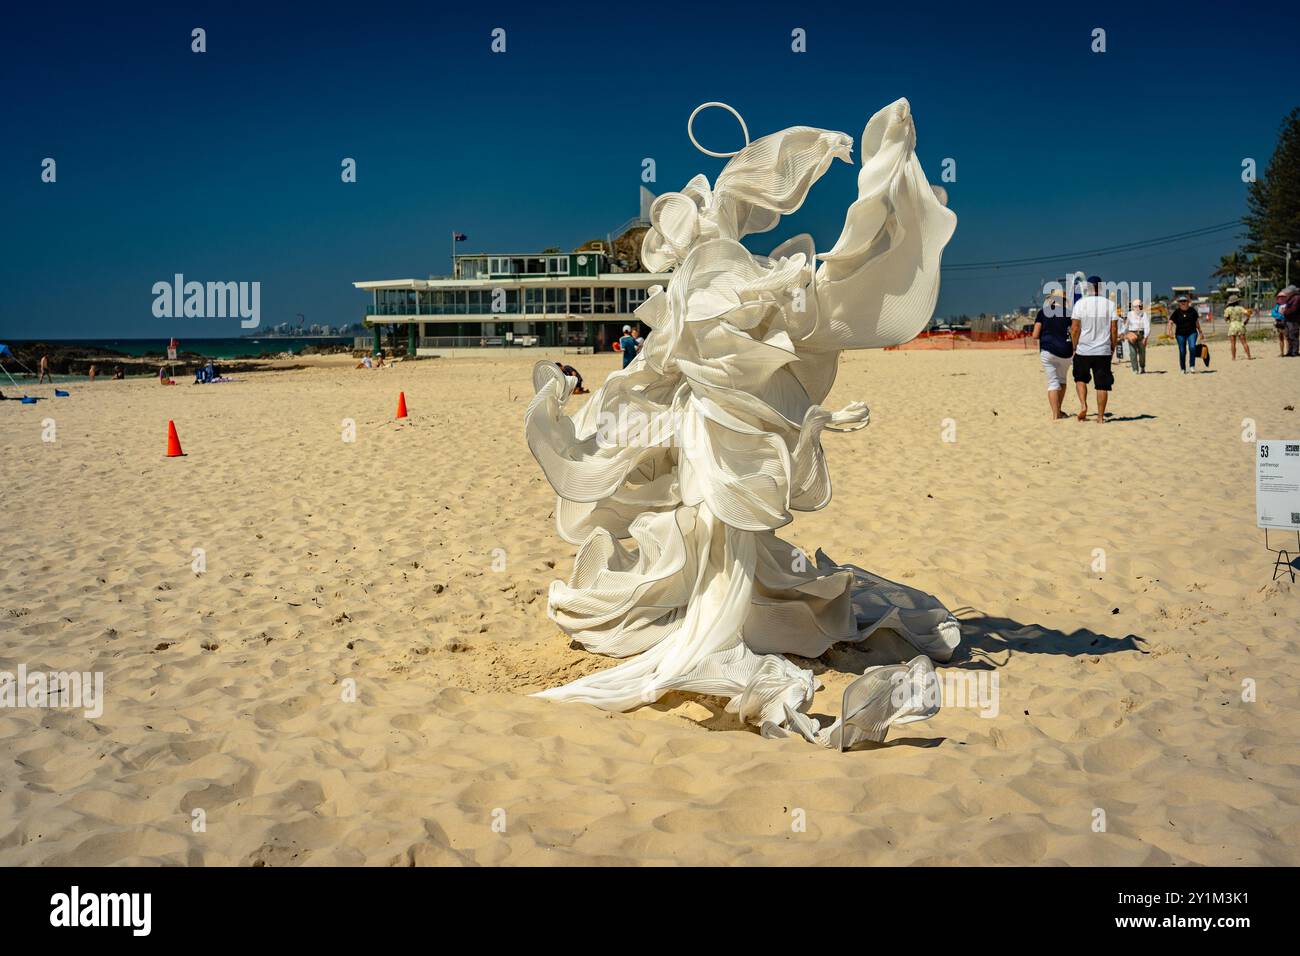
1052	333
627	345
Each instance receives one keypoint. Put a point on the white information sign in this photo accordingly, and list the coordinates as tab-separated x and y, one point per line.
1277	484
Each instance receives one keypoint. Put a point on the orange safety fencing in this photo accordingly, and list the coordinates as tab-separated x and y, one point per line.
968	340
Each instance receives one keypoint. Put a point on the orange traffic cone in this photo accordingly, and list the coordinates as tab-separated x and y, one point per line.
173	442
401	404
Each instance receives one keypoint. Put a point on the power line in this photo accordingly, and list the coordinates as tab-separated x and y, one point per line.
996	274
1100	251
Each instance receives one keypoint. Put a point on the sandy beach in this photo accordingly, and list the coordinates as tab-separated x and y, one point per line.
412	565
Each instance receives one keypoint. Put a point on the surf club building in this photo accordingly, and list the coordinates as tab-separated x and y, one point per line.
573	300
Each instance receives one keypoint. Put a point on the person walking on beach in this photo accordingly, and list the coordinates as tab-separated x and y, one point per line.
45	371
1139	329
1094	330
1288	306
1279	324
1185	327
92	372
1052	333
627	345
1237	317
1122	324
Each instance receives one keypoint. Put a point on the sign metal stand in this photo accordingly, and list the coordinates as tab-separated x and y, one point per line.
1286	560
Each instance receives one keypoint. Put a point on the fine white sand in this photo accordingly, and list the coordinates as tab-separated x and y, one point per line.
328	563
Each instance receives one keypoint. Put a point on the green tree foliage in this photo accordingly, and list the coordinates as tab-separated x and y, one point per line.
1273	203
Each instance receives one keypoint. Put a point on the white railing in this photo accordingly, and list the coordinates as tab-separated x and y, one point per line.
476	341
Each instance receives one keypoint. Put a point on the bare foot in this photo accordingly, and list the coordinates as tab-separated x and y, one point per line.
1083	415
1101	418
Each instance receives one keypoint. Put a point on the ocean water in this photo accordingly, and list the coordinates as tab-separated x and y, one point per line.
211	348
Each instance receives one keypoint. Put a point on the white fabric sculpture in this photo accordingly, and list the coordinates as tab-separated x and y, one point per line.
703	446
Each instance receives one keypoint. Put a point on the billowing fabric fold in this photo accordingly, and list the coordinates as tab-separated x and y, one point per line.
680	468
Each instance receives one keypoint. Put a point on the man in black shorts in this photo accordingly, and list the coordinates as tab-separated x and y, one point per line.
1094	329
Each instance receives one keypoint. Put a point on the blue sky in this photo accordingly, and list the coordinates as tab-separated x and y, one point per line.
225	165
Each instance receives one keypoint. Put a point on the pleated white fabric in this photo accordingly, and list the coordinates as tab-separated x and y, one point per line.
675	475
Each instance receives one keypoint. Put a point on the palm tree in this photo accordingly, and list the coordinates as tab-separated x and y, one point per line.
1231	266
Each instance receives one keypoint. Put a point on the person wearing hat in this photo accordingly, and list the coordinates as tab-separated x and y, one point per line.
1052	333
1237	317
1288	307
627	345
1185	327
1139	329
1094	332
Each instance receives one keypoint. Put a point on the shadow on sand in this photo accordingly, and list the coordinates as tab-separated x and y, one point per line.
987	643
983	636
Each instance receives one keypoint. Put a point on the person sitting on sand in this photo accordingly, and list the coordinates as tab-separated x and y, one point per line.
1237	317
1052	333
379	359
572	372
366	362
1094	329
118	372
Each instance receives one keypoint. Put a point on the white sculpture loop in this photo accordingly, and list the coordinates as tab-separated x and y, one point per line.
690	128
676	474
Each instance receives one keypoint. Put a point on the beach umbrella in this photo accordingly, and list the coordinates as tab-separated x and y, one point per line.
4	350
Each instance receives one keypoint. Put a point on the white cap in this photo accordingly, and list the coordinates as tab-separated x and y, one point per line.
627	328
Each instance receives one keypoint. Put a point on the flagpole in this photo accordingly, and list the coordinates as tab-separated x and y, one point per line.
453	254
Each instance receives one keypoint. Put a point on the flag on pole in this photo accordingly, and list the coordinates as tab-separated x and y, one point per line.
459	236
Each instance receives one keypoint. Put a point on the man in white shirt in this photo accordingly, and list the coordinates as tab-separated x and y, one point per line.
1094	329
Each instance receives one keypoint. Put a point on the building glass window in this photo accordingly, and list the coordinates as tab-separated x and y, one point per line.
603	300
580	301
534	301
557	265
557	300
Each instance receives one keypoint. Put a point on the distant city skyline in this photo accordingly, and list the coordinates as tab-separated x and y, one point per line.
228	165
